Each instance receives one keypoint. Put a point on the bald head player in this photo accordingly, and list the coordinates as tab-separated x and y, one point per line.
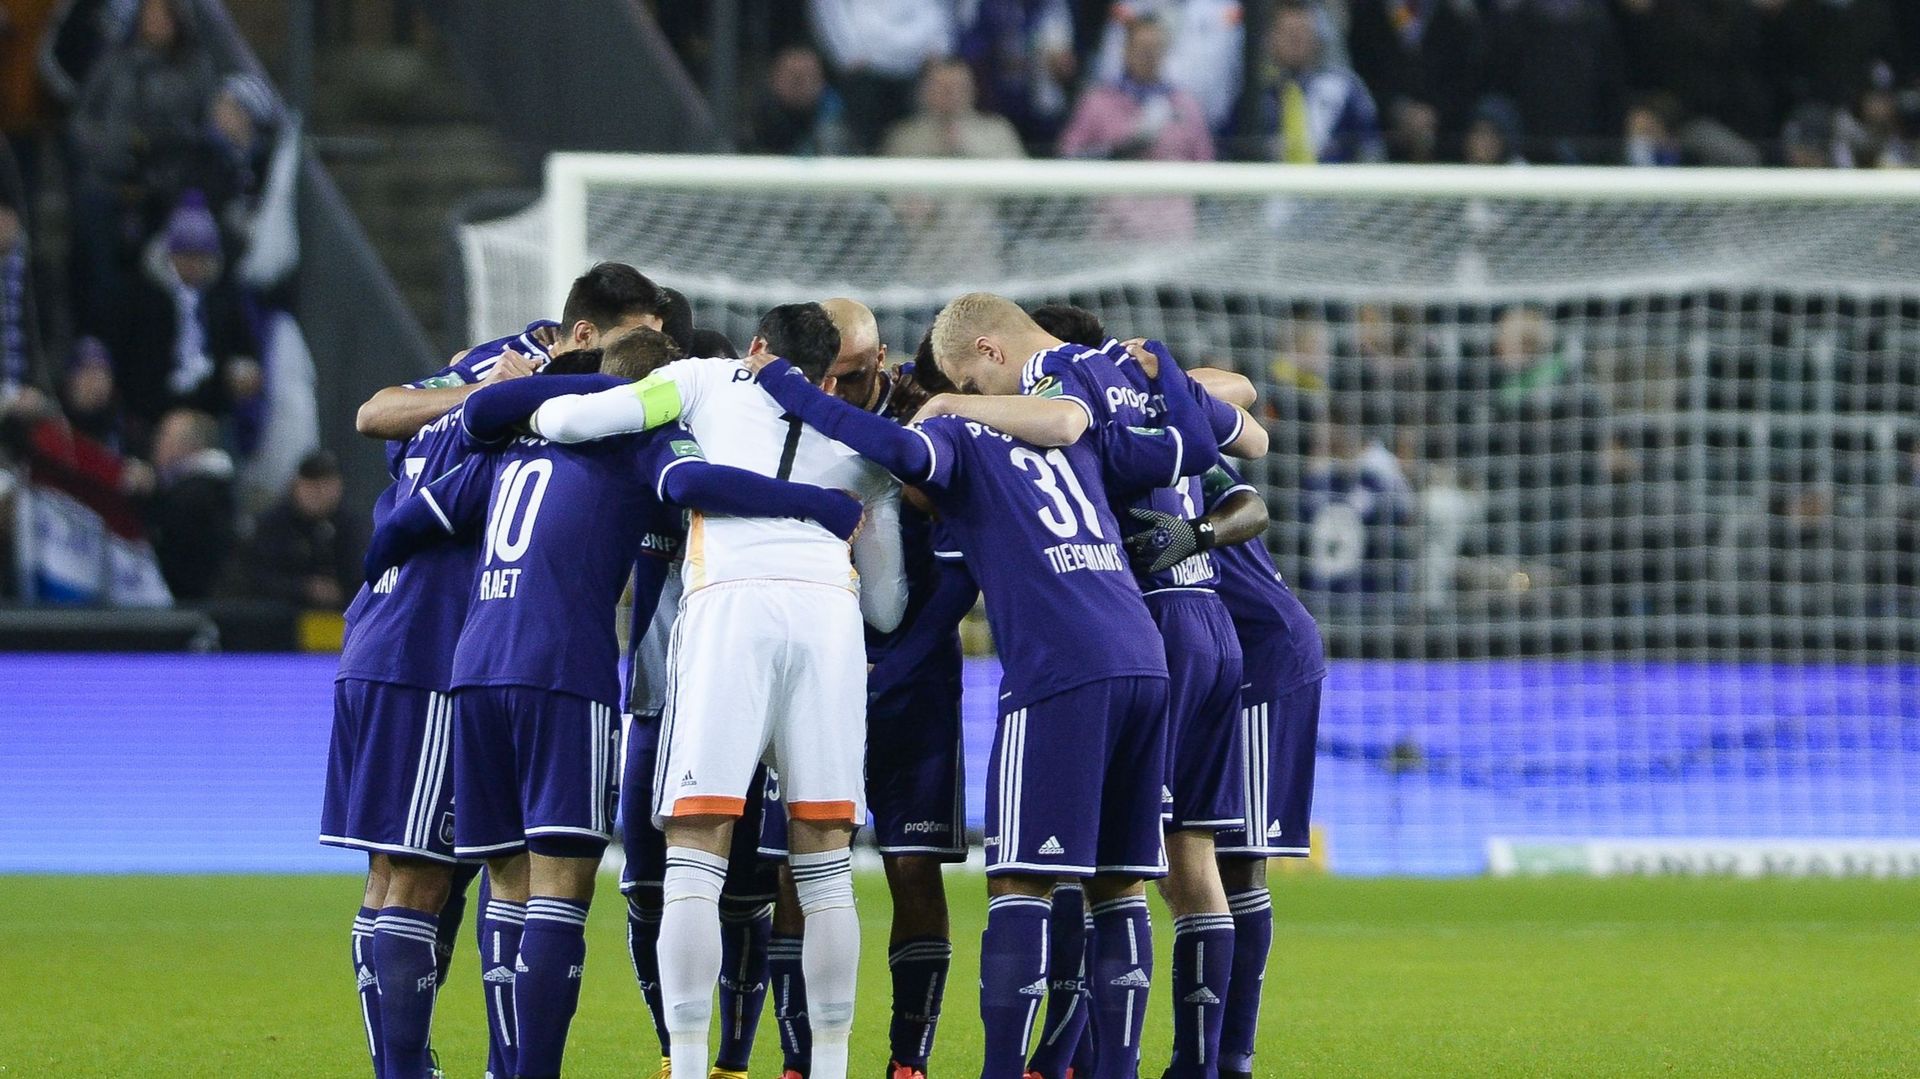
860	370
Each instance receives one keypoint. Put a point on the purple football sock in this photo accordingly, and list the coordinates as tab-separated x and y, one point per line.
1066	984
501	924
453	914
919	968
1013	981
546	984
1119	975
789	988
1252	940
1202	968
745	931
405	946
643	946
368	986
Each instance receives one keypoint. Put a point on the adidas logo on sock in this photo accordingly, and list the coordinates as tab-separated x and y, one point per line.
1202	995
1273	830
1037	989
365	978
1133	979
497	975
1052	846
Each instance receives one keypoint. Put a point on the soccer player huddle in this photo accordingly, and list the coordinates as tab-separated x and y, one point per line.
802	529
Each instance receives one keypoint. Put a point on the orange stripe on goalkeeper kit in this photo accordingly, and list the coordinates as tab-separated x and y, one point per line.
694	570
708	805
822	811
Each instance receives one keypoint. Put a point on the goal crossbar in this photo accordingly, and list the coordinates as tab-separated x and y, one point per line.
569	176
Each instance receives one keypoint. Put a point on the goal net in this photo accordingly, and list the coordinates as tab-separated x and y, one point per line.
1603	484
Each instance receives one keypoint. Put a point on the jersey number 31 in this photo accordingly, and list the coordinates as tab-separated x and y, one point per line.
1051	474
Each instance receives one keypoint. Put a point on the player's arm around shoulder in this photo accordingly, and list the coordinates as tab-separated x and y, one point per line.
1042	421
396	412
661	398
1232	387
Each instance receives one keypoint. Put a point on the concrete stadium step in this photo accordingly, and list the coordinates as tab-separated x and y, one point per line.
402	181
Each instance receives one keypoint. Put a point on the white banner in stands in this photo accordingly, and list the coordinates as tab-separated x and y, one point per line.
1684	857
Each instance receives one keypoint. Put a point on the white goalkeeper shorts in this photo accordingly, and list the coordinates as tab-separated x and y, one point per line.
772	670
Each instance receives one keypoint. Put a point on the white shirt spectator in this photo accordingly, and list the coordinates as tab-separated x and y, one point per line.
891	38
1204	58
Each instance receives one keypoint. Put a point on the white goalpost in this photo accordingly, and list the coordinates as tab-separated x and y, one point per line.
1603	482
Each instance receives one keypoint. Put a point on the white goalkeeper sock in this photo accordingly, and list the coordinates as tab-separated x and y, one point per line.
831	955
689	952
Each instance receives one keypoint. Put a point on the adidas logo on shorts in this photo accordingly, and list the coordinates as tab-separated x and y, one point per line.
1273	830
1037	989
1133	979
498	975
1202	995
365	978
1052	846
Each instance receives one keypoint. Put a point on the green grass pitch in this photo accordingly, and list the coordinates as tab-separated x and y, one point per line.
247	976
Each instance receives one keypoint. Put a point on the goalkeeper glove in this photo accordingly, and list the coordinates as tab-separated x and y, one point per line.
1166	540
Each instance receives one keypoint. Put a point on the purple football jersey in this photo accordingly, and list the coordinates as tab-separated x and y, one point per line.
1038	536
1117	394
1262	606
403	627
563	525
472	366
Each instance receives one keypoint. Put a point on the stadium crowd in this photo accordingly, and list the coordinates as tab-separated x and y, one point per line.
152	299
151	377
1805	83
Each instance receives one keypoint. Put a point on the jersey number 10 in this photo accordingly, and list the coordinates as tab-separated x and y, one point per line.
520	482
1051	473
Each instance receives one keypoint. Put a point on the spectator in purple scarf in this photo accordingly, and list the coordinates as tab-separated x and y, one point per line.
186	340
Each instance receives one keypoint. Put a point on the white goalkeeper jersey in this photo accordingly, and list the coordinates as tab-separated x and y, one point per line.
737	424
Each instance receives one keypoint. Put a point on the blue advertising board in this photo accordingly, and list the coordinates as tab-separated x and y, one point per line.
200	764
